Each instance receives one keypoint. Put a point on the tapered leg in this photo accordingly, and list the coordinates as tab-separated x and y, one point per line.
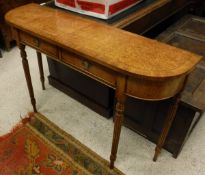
27	75
119	115
40	65
168	122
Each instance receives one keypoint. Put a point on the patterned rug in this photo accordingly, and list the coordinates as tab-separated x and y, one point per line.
38	147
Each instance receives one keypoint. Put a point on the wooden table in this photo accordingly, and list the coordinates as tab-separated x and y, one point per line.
131	64
139	19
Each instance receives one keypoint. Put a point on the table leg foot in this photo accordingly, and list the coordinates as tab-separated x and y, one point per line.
112	160
157	152
27	75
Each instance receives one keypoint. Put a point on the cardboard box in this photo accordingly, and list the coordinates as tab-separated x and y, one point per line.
103	9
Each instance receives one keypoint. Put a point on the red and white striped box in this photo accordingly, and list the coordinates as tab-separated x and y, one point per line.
104	9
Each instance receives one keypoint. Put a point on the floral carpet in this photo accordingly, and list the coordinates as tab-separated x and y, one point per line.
38	147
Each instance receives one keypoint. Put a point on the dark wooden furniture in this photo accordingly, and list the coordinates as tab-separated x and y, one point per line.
102	52
5	6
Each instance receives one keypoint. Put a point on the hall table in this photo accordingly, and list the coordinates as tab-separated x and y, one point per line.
131	64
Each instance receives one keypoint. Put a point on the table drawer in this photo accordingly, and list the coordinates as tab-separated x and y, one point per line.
38	44
94	70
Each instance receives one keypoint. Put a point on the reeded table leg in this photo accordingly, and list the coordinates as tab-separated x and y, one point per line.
40	65
27	75
168	122
119	112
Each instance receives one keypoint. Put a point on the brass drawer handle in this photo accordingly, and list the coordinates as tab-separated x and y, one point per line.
85	64
36	42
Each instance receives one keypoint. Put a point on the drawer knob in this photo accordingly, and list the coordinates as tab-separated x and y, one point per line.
36	42
85	64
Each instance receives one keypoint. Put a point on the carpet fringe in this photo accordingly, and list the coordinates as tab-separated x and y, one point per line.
20	124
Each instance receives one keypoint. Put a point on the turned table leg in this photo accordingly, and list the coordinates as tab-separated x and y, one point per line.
27	75
168	121
40	65
119	112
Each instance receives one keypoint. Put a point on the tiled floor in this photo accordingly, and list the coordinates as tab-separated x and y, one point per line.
135	153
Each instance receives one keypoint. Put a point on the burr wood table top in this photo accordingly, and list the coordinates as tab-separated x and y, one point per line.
65	36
